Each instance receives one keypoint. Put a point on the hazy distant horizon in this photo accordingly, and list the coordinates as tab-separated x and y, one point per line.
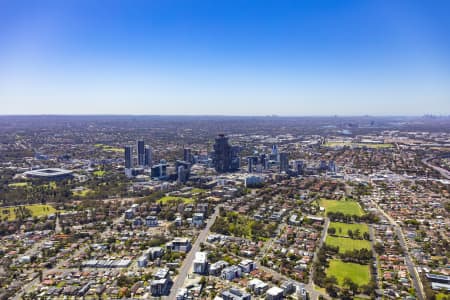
225	116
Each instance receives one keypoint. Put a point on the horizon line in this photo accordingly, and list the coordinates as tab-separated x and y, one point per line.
220	115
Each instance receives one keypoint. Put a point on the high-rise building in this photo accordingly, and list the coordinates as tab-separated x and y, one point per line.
225	156
263	160
284	162
128	160
299	165
148	156
182	174
159	171
332	166
187	156
128	157
141	152
252	161
274	150
249	165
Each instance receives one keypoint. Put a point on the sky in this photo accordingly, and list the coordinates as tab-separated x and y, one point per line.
246	57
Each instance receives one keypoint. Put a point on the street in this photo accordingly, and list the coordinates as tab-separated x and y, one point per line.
408	261
187	263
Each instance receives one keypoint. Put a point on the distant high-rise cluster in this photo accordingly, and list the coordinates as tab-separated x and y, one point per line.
144	157
225	156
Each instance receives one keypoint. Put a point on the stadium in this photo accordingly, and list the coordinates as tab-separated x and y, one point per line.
49	174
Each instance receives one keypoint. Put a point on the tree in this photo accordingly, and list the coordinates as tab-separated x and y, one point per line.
379	248
351	285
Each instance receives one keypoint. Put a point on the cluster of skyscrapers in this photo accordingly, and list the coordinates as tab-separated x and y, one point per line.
141	162
265	161
143	154
224	158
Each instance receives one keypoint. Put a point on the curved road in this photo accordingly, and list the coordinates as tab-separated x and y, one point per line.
444	173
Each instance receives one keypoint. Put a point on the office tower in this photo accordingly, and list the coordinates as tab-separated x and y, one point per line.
332	166
235	159
274	150
183	169
225	156
323	165
187	155
252	161
299	166
141	152
128	157
249	165
159	171
182	174
148	156
284	162
263	160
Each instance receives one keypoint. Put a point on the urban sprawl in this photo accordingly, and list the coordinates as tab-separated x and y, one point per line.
230	208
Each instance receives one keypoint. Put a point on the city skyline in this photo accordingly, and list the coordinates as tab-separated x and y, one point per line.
227	58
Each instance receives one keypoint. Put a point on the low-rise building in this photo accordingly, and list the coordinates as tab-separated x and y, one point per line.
151	221
247	265
274	293
200	262
231	272
179	245
235	294
216	268
160	285
257	286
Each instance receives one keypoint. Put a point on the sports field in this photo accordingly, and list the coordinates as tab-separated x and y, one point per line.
347	244
343	228
108	148
167	199
347	207
359	274
37	210
19	184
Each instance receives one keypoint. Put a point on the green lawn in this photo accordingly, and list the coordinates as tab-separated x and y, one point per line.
109	148
343	228
167	199
348	207
82	193
441	296
19	184
359	274
37	210
347	244
99	173
41	210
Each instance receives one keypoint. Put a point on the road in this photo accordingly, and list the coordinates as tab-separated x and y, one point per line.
375	257
322	240
408	261
444	173
187	263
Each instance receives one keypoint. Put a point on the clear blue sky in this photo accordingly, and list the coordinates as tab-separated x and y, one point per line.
225	57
